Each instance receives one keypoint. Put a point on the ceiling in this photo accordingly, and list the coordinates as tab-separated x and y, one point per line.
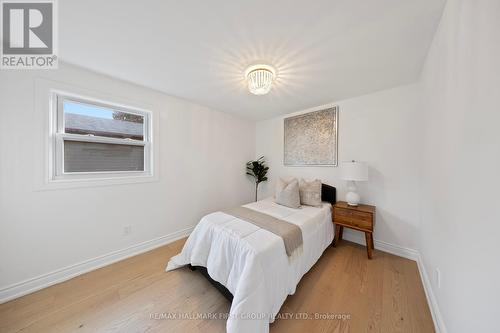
324	51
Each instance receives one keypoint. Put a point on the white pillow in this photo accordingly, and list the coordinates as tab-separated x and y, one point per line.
310	193
287	193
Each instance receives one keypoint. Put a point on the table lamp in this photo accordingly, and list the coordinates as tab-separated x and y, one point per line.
354	171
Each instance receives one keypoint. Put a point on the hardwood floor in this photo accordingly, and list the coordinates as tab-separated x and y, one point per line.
136	295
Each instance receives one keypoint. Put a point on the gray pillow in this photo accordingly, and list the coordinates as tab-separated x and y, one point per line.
287	193
310	193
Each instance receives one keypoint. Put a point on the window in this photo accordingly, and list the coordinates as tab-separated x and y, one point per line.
99	140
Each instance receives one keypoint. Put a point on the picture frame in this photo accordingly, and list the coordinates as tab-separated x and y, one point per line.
311	139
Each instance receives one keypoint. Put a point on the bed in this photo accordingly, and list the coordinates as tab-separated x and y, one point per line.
249	265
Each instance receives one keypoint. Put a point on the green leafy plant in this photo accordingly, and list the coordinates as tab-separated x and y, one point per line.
258	170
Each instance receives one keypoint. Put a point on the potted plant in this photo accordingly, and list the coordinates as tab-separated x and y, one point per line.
258	170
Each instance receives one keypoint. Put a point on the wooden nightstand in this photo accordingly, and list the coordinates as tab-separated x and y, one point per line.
361	217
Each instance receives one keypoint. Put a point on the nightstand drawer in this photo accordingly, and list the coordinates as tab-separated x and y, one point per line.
355	218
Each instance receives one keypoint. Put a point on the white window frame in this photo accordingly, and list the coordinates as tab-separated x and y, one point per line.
58	136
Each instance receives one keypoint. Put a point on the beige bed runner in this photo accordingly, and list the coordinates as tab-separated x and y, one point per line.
289	232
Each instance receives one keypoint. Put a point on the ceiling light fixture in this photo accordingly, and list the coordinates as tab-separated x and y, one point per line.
260	78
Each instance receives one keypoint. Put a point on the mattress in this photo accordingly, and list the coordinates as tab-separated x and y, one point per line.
252	262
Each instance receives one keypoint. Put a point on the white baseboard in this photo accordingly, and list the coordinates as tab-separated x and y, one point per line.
43	281
415	256
431	298
397	250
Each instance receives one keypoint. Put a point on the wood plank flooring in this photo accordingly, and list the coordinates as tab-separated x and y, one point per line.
136	295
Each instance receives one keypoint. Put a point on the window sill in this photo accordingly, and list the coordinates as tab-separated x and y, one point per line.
71	183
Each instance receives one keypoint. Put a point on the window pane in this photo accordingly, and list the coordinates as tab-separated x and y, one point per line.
92	157
82	118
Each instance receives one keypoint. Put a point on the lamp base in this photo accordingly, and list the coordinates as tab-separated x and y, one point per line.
352	198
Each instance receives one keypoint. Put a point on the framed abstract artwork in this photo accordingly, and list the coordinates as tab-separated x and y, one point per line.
311	139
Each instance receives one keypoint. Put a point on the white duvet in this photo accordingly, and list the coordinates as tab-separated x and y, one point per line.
252	263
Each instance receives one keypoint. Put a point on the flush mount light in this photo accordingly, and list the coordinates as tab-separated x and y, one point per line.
260	78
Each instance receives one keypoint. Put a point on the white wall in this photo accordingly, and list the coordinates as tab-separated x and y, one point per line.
382	129
202	154
461	163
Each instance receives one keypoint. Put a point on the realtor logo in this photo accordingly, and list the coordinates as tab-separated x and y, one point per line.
28	35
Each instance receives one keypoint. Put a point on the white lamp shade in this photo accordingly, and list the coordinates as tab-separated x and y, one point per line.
353	170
